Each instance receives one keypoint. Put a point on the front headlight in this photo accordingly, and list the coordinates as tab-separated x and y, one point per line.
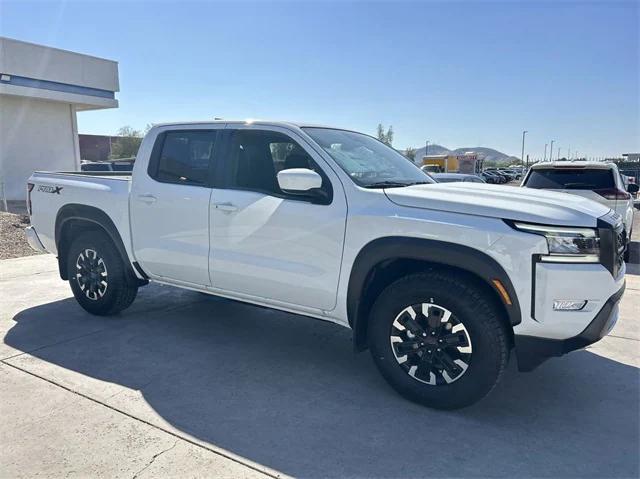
575	245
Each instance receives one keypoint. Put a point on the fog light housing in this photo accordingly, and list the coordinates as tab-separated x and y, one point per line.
569	304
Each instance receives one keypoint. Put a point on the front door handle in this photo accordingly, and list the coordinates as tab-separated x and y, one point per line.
226	207
147	198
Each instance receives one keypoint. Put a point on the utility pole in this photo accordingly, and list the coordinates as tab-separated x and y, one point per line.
426	148
551	151
559	153
569	153
522	155
545	152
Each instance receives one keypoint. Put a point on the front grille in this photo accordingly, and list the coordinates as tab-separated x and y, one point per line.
612	242
620	246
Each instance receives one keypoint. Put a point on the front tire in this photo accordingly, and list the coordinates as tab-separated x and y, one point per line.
438	339
97	275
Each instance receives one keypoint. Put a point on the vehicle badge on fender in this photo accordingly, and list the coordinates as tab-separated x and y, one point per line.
50	189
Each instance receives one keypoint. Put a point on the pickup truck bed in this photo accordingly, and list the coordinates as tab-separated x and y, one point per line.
106	191
106	174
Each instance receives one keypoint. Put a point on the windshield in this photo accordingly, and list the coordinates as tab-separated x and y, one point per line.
569	178
368	162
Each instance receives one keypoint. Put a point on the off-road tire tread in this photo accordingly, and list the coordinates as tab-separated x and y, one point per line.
121	292
484	307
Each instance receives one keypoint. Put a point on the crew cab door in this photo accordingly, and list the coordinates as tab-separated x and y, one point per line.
169	205
269	245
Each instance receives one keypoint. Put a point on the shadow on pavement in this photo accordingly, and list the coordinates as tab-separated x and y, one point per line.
289	393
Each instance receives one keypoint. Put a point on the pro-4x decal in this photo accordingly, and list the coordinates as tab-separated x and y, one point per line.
50	189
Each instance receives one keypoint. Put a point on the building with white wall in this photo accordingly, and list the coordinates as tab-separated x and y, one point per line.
41	89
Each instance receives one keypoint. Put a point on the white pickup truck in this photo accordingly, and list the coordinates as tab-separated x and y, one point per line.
440	281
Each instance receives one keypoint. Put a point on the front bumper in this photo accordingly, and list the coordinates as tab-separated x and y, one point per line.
532	351
34	240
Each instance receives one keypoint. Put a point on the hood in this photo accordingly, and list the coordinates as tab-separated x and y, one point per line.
505	202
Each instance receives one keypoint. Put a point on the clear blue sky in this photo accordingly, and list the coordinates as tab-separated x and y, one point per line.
458	74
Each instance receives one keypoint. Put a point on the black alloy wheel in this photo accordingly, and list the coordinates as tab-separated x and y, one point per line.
91	274
431	344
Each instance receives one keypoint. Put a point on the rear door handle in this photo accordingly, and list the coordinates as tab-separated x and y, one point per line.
147	198
226	207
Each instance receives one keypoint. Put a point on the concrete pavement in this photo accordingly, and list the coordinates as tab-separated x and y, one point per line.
187	385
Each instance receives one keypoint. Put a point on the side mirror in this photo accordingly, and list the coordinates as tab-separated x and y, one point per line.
633	188
299	180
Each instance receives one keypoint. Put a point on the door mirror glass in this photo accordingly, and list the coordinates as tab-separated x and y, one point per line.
299	180
633	188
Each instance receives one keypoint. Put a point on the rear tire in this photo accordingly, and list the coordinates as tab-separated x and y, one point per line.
97	275
455	349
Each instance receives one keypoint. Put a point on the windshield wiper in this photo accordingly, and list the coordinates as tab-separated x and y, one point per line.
395	184
386	184
420	183
578	186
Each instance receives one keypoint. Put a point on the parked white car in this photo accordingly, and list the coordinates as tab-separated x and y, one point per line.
598	181
439	281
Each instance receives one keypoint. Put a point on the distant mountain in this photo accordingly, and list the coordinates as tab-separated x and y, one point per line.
488	154
433	150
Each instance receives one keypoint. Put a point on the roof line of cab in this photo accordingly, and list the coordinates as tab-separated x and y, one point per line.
288	124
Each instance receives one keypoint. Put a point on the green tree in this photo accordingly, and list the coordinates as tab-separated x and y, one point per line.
126	143
410	153
387	137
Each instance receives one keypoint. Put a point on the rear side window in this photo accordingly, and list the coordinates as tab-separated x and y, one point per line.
571	179
184	157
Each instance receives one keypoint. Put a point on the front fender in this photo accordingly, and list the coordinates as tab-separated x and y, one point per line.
471	260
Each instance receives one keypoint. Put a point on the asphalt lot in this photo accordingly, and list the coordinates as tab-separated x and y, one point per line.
187	385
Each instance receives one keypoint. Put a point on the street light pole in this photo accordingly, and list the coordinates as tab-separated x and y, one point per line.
545	152
559	153
522	155
551	151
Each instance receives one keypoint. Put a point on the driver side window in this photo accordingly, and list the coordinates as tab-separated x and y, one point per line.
258	155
